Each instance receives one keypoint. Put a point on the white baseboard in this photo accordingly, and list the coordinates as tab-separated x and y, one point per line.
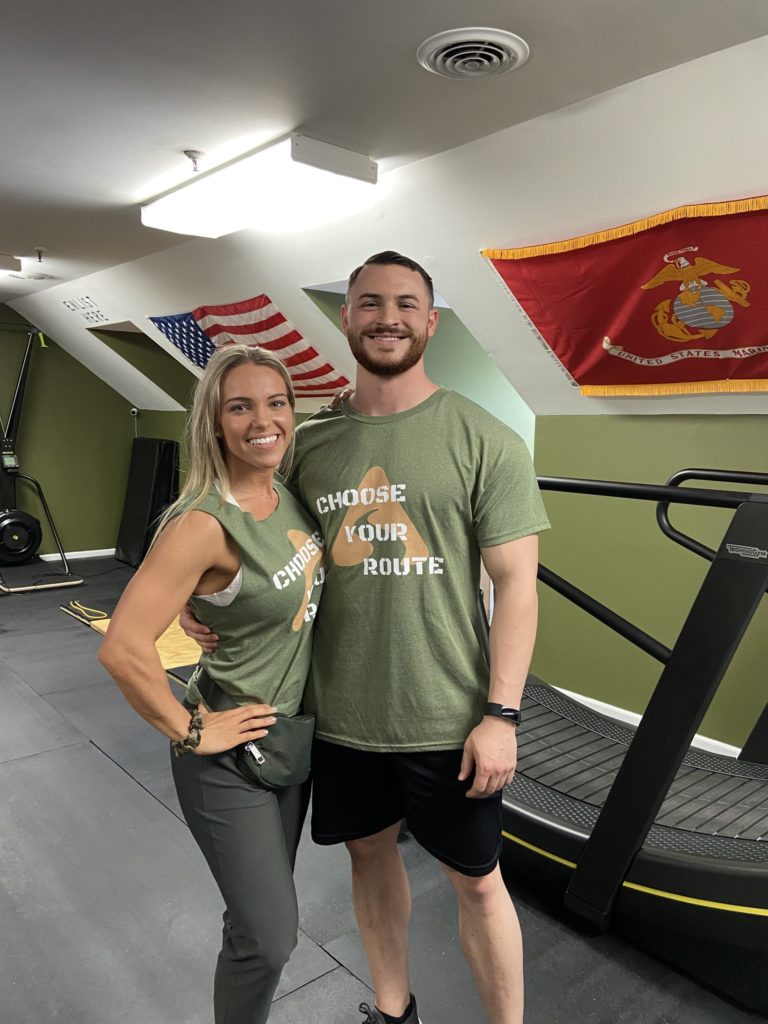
100	553
632	718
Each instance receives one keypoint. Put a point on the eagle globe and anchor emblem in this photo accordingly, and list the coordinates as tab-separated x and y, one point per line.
700	309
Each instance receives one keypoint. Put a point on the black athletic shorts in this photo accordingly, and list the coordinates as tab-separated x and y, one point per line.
357	793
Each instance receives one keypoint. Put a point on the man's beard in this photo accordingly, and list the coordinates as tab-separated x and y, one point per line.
387	366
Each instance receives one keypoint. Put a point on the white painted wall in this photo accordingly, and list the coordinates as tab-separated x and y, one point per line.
690	134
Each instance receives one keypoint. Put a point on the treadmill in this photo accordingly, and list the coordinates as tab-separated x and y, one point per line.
635	829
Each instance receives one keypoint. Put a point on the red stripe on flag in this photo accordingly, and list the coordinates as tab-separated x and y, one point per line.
318	372
300	357
288	339
214	330
233	308
271	321
331	385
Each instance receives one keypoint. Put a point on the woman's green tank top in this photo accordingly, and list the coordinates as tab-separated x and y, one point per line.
265	634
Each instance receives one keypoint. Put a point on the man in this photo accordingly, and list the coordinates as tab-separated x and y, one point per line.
412	486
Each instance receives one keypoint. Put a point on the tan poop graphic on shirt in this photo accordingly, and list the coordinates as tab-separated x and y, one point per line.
308	561
375	512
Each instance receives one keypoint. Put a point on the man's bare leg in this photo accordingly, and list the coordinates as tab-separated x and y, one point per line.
493	946
382	900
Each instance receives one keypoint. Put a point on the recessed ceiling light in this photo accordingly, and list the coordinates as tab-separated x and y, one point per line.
473	53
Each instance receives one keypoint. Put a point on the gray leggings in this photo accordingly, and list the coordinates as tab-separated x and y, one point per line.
249	836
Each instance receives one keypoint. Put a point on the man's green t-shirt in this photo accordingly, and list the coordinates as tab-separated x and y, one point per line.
405	502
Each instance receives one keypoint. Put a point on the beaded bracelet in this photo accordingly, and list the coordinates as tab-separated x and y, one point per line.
192	740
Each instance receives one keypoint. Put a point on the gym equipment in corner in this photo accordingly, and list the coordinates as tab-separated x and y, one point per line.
20	532
633	827
153	485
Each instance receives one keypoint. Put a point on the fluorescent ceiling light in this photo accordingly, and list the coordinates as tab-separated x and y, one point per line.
9	263
295	184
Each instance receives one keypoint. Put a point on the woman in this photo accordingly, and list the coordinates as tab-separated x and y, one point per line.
246	555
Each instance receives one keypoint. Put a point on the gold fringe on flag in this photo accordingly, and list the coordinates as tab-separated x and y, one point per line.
697	387
625	230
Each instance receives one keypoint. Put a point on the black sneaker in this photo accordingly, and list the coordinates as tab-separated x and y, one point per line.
375	1016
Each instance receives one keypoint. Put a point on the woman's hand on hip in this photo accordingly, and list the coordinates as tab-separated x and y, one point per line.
223	730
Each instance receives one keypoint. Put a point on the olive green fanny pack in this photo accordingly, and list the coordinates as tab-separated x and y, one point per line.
279	759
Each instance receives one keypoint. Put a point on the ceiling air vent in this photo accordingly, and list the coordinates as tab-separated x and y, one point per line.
473	52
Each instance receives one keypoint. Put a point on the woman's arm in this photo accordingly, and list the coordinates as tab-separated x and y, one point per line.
187	549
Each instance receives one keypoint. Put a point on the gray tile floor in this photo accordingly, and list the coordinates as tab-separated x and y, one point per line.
108	914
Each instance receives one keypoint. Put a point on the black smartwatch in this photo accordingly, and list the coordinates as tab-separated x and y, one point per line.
502	711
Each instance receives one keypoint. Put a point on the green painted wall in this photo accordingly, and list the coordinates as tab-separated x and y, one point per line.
74	437
162	424
455	359
165	371
153	361
613	549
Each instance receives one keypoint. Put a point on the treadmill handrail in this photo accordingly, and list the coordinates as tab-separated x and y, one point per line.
646	492
649	492
604	614
722	475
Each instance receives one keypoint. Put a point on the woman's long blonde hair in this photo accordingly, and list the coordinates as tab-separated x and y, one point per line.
206	466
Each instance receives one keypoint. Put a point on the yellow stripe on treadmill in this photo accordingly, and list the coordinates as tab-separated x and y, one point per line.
733	908
538	849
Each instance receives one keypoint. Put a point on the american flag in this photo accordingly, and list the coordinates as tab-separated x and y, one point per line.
256	322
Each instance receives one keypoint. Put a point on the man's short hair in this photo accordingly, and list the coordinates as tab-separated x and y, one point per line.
390	258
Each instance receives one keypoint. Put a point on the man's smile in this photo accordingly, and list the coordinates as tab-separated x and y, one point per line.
385	336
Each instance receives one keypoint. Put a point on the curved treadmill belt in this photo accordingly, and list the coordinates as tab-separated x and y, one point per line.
568	757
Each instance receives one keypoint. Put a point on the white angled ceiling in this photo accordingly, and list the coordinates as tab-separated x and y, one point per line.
100	100
622	111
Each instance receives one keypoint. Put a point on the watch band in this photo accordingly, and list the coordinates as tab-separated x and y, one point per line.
512	715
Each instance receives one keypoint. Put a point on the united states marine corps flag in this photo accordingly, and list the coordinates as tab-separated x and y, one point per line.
674	304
